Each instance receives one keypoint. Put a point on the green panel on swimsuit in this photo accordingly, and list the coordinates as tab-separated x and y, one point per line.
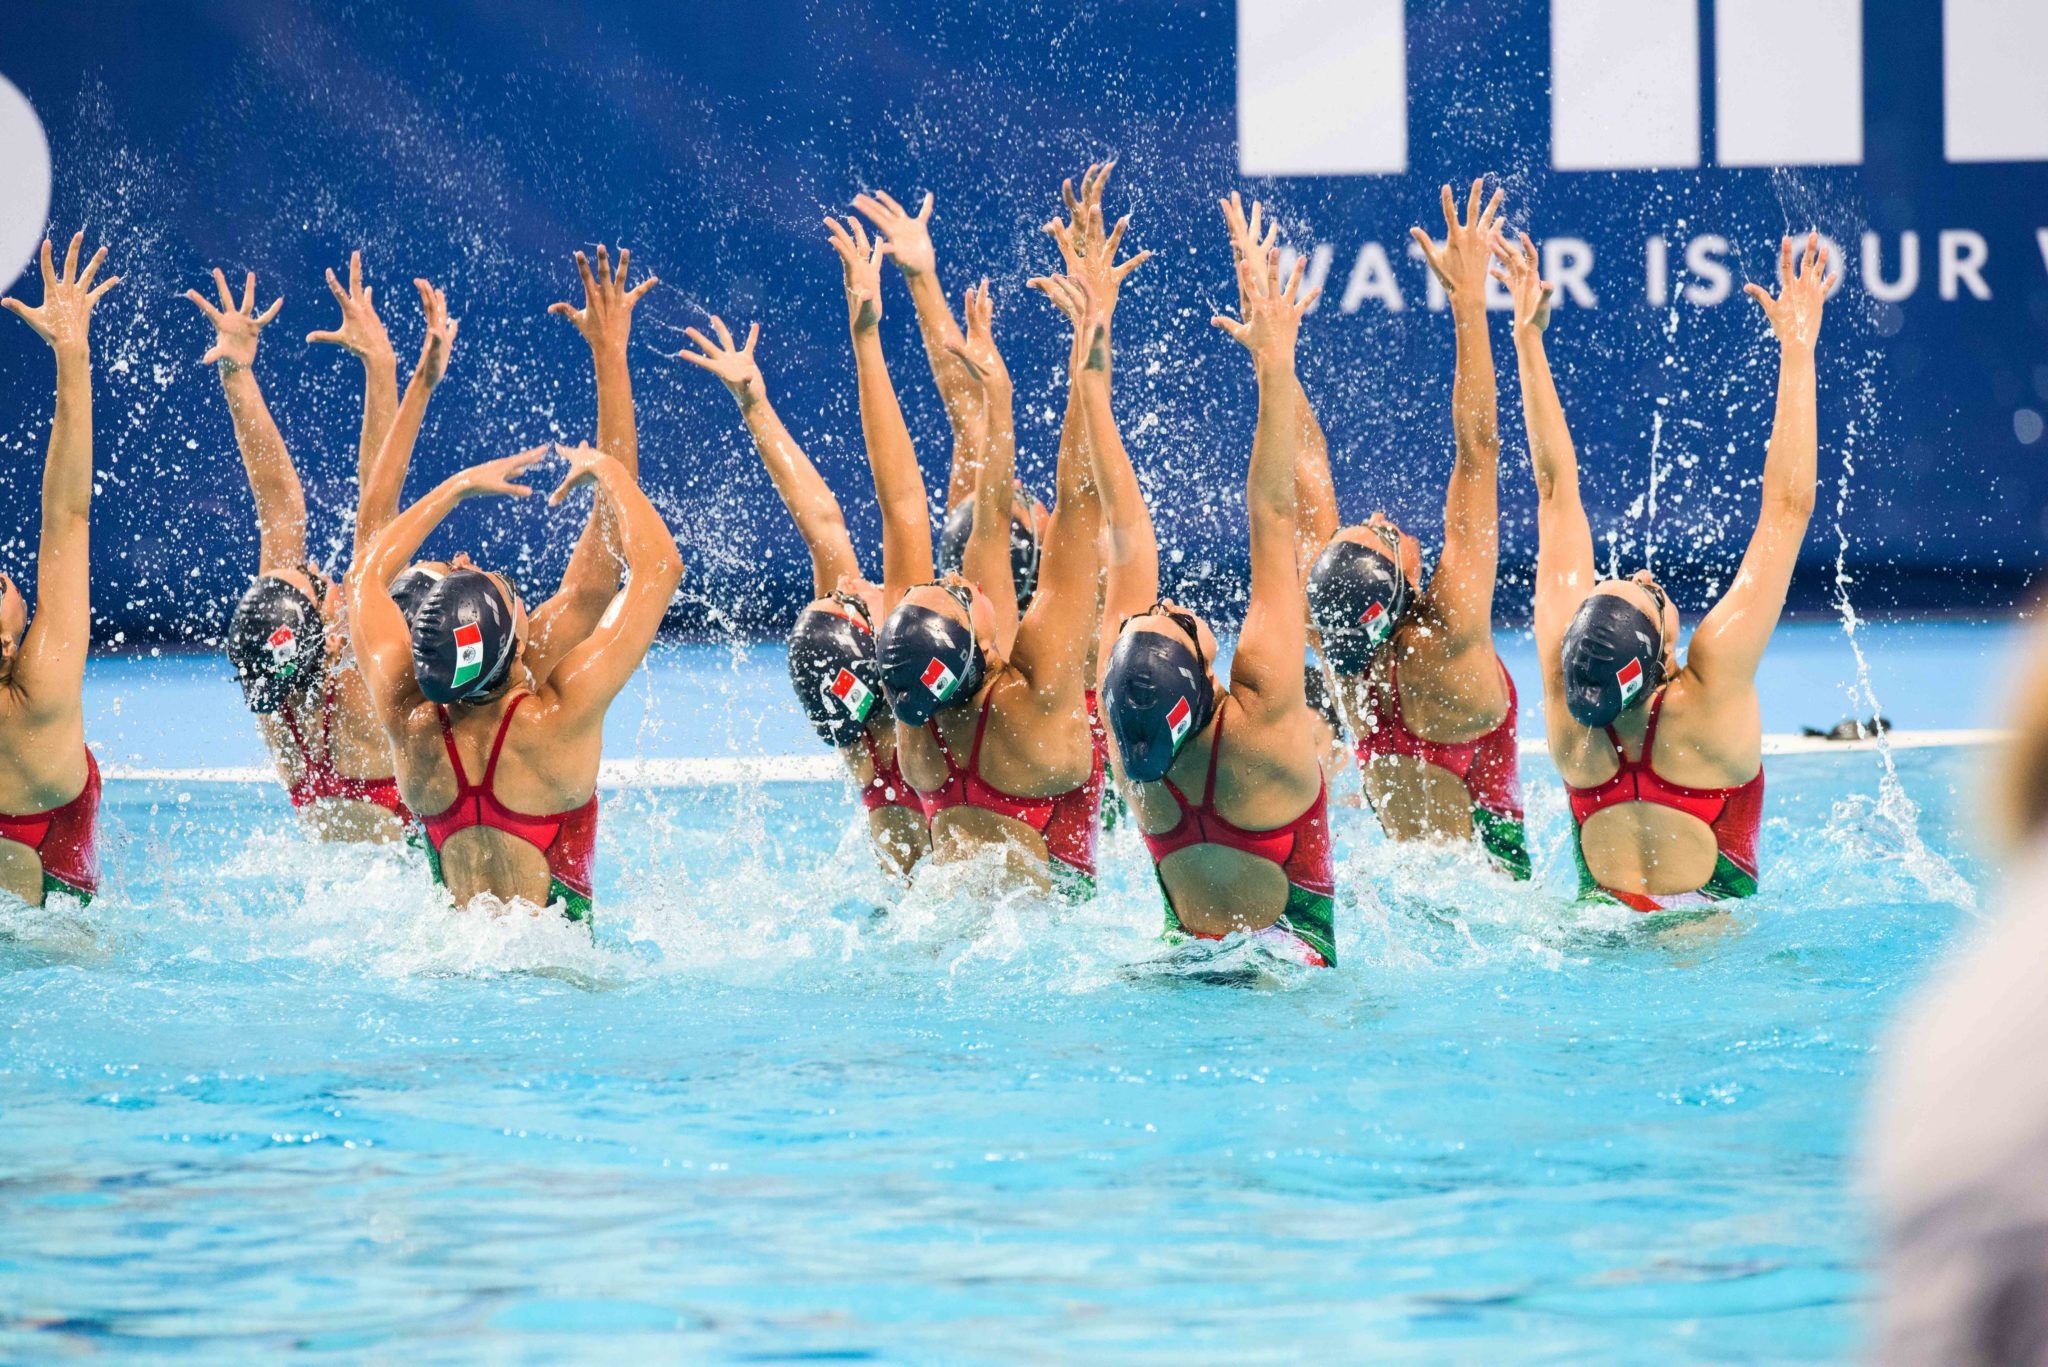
54	886
1506	839
575	906
1309	916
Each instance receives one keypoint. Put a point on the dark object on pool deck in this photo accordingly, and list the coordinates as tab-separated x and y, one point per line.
1850	729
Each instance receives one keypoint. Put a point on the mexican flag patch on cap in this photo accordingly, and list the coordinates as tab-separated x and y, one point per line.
852	692
469	652
938	680
1630	677
283	646
1374	620
1178	719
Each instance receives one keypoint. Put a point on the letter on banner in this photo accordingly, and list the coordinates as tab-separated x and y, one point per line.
1322	90
1995	100
1624	84
1788	82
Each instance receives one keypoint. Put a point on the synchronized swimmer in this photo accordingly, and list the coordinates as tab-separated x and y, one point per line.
1009	663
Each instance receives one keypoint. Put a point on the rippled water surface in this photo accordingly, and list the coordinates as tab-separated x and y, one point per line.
266	1095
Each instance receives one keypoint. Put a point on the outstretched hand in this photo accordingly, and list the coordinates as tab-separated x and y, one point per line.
1088	251
735	365
440	338
1462	262
1083	308
862	262
606	318
585	461
500	477
236	326
361	333
1802	293
68	297
1518	269
978	350
909	235
1251	240
1272	308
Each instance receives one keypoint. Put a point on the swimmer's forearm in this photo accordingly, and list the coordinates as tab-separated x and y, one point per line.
383	484
1315	493
892	462
618	433
67	468
645	542
1475	390
810	501
1791	459
1551	457
939	330
274	483
380	407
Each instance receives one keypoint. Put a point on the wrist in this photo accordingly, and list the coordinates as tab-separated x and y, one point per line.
1274	366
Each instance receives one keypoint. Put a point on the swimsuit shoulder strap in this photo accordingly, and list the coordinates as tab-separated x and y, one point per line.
454	755
980	729
1215	749
498	745
1650	731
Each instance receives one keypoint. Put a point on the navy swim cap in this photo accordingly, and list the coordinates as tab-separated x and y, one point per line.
462	638
410	588
1023	544
832	667
1356	596
1613	656
1155	694
928	660
277	642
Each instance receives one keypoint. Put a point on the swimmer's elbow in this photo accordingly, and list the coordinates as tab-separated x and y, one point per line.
1794	504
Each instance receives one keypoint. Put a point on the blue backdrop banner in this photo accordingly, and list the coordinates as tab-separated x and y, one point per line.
1658	151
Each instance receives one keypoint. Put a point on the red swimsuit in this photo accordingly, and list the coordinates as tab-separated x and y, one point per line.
1487	767
1068	822
1302	848
568	839
65	838
888	788
318	778
1734	814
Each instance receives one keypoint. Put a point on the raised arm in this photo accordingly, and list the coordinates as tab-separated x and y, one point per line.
986	557
382	478
1315	493
899	484
809	499
1461	592
591	674
1564	542
1087	294
362	335
1266	670
51	671
1730	640
909	242
591	579
1051	647
383	643
280	502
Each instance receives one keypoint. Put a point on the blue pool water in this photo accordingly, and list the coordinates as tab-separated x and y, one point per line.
267	1095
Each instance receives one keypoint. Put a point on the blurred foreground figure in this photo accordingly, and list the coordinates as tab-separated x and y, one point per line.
49	781
1959	1142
